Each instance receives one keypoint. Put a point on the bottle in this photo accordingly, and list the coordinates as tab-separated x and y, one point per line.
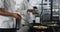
17	22
37	18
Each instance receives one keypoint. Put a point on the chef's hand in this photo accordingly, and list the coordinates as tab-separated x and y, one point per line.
30	10
17	16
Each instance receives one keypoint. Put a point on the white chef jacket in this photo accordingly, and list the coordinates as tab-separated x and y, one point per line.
6	22
13	6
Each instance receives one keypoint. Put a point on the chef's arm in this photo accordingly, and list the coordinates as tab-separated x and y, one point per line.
30	10
5	13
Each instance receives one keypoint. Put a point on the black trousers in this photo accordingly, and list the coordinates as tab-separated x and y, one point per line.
7	30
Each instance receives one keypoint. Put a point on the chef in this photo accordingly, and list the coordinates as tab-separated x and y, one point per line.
27	5
6	15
